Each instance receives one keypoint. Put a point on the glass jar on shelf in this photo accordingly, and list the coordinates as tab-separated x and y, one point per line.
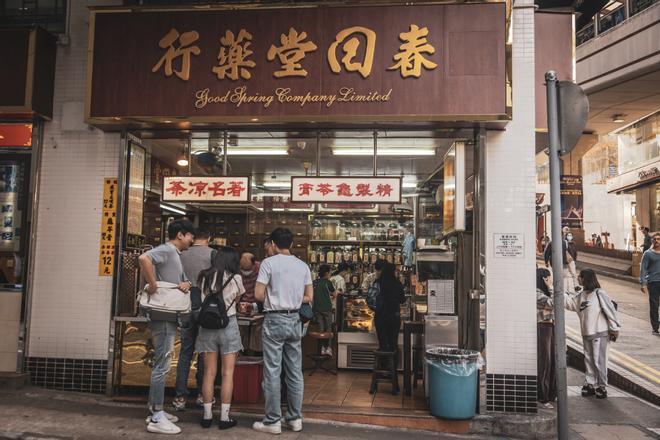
368	233
317	230
381	232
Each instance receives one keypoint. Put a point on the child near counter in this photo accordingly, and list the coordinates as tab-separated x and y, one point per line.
324	292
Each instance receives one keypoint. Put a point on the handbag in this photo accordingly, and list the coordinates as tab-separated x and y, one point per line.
213	313
306	313
167	304
613	335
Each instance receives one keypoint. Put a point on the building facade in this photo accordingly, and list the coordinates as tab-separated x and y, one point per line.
71	316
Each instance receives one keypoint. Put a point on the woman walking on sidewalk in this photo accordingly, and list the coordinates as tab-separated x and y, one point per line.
545	331
598	325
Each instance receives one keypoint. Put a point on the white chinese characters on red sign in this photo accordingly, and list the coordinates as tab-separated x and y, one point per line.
206	189
346	189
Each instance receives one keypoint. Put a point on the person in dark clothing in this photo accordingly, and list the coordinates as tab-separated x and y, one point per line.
648	242
547	389
388	312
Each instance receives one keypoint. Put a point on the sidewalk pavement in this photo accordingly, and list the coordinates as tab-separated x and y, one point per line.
41	414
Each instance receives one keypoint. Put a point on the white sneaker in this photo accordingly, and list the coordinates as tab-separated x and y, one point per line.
294	425
163	426
171	417
275	428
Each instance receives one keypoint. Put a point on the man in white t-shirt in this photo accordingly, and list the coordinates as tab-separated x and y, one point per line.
283	285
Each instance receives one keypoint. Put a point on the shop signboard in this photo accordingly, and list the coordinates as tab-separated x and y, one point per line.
15	135
27	77
135	205
206	189
634	179
108	227
379	189
572	204
429	62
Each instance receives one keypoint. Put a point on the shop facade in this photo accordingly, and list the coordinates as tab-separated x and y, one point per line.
26	102
300	100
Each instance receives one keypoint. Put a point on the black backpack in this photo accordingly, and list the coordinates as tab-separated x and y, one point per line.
213	314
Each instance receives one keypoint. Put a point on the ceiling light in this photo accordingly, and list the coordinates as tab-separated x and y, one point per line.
182	160
618	118
383	152
409	185
277	184
174	210
257	151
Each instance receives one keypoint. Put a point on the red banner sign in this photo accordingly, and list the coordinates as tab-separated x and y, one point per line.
207	189
15	135
346	189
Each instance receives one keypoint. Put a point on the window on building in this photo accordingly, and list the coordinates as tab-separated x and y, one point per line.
49	14
611	15
600	162
639	144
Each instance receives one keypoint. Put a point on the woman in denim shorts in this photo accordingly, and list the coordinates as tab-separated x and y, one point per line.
225	342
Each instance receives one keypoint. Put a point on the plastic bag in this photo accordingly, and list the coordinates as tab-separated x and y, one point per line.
454	361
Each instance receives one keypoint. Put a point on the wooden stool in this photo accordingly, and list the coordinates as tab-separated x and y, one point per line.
318	358
385	369
418	364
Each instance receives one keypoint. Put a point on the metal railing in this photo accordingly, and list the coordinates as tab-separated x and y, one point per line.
603	23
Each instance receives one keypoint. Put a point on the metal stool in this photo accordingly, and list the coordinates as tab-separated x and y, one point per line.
318	358
385	369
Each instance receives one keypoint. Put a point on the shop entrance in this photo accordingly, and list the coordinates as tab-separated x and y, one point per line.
418	234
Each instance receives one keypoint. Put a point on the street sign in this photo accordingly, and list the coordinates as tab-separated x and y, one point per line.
573	109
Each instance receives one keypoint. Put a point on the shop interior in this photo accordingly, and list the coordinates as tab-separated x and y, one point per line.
355	234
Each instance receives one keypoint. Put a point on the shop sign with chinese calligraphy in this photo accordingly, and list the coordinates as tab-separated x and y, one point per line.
346	189
225	189
108	227
422	62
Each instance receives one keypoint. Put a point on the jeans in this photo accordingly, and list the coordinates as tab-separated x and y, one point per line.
654	303
387	331
282	347
162	336
188	336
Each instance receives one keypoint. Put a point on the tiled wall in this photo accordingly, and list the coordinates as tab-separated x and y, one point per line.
70	305
86	375
510	209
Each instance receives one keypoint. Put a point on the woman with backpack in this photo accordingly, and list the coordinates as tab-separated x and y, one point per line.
219	335
388	312
599	325
545	331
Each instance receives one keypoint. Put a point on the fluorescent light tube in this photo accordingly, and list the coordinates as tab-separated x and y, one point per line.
257	151
409	184
277	184
383	152
174	210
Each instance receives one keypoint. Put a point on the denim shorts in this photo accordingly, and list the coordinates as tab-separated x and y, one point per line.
224	341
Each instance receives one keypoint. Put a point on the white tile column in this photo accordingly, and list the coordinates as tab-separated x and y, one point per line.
510	210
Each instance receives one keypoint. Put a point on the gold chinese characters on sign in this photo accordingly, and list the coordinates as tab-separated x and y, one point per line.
108	227
352	50
184	50
291	52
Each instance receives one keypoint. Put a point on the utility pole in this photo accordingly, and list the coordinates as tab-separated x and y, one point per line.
557	257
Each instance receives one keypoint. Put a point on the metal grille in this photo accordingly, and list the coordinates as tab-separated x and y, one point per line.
128	283
360	356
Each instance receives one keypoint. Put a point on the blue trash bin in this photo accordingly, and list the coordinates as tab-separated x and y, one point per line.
452	376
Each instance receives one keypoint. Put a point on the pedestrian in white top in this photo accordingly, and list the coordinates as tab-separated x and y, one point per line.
598	325
284	284
222	278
